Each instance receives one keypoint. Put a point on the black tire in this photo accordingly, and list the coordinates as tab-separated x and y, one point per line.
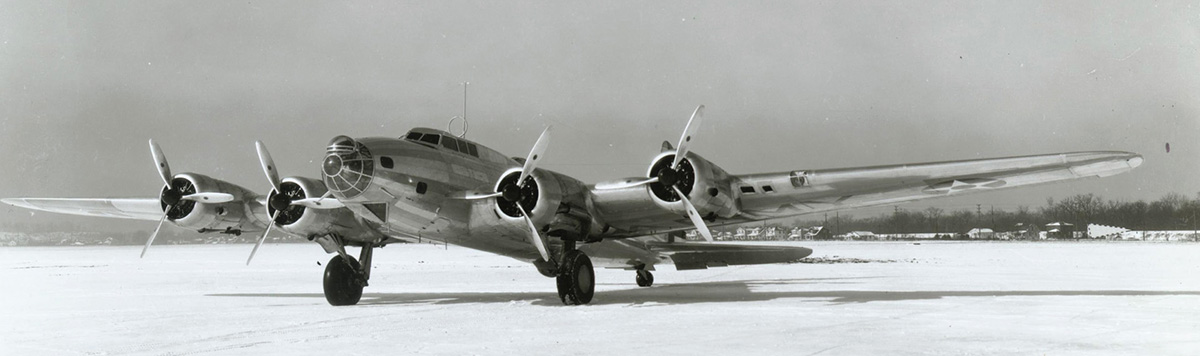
644	278
342	286
577	282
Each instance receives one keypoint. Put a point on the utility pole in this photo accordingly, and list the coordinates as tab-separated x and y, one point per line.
993	214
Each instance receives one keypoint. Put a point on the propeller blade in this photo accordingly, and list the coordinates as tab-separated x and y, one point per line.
210	197
268	164
160	162
319	203
535	155
155	233
473	195
690	130
632	182
536	238
263	237
694	215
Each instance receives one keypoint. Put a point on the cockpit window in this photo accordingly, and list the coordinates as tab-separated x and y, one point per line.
450	143
431	138
472	150
413	136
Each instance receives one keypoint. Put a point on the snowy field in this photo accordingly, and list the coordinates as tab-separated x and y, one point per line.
932	298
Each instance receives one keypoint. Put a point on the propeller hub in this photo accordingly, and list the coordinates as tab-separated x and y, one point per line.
171	197
280	201
668	176
511	192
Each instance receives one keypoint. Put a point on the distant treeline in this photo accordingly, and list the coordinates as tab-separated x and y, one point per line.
1171	212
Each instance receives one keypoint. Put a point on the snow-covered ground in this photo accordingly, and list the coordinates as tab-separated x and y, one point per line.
932	298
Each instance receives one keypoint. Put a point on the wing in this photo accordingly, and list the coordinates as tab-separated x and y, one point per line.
773	195
135	208
657	249
691	255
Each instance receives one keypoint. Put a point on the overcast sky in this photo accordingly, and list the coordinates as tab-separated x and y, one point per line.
788	86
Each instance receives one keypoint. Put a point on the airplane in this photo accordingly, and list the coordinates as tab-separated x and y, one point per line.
432	185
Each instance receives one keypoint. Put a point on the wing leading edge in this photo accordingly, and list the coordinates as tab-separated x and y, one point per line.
124	208
800	192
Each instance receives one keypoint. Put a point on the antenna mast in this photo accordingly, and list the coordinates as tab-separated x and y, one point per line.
464	115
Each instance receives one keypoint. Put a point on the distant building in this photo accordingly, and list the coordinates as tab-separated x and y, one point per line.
1060	230
1026	231
981	233
860	235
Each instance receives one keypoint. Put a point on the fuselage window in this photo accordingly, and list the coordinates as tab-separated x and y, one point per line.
386	162
747	189
421	187
767	189
430	139
450	143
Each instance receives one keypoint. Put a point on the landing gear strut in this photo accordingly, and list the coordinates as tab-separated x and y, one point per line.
345	277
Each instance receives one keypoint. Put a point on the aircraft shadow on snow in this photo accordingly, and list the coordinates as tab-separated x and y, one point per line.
714	292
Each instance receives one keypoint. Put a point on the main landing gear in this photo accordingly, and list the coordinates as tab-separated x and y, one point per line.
345	277
576	278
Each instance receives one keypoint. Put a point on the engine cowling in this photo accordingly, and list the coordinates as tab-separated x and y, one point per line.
556	203
204	216
305	222
704	183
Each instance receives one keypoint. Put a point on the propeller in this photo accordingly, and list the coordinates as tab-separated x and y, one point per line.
536	237
669	176
173	195
263	237
512	192
280	199
694	215
283	201
688	131
674	175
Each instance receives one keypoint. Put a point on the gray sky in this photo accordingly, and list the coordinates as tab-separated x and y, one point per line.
788	85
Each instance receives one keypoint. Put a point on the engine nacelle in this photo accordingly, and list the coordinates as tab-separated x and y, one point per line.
234	215
556	203
304	222
704	183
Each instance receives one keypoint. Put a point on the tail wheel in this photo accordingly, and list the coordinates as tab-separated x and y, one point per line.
644	278
577	282
342	286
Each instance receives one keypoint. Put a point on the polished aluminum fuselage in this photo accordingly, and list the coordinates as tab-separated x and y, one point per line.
411	201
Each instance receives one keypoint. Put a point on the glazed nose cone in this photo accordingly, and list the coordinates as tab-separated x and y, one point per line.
347	168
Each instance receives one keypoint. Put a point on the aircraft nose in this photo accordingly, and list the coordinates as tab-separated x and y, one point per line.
348	167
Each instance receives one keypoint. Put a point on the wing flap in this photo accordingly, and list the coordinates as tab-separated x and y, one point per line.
124	208
688	256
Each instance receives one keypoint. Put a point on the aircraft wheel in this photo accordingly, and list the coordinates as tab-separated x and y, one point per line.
342	285
644	278
577	280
